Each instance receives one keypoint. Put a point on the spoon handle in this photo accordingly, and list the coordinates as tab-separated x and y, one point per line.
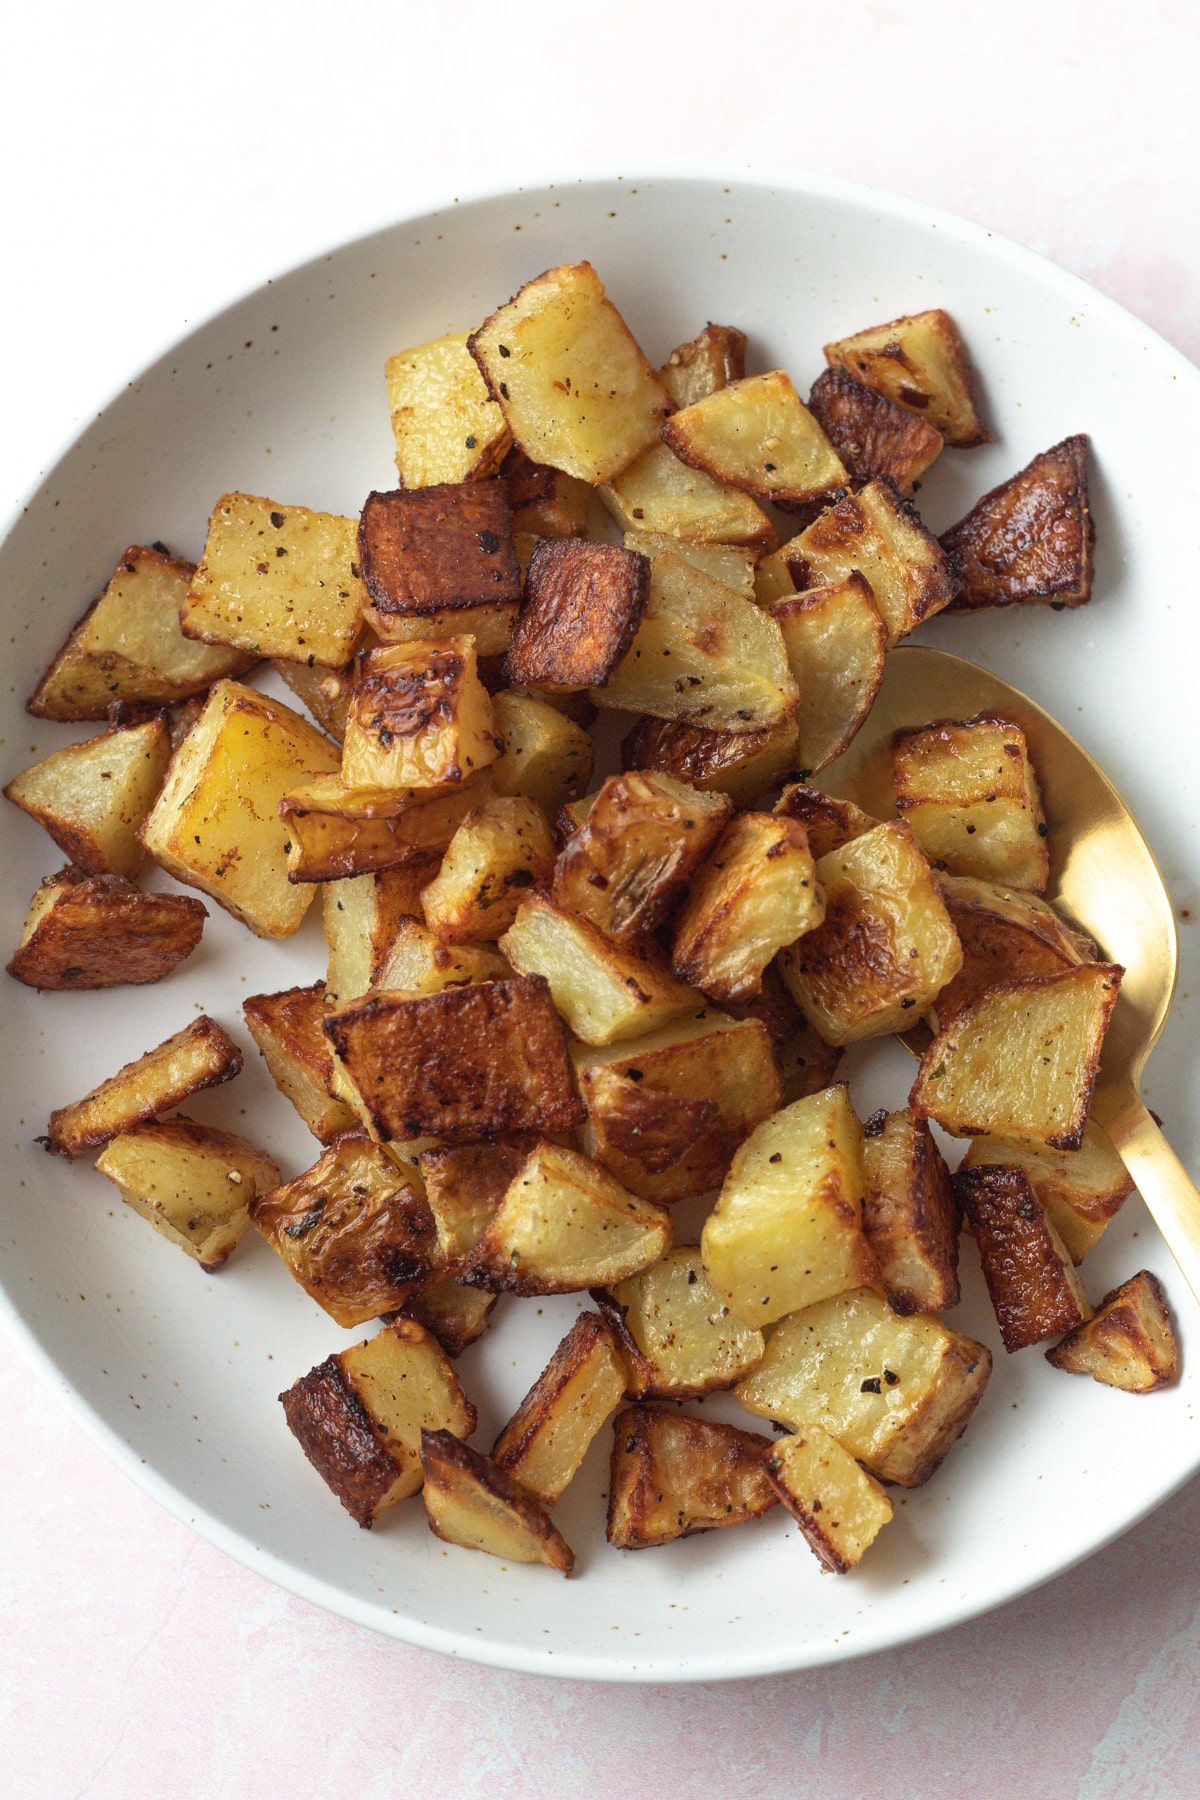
1163	1182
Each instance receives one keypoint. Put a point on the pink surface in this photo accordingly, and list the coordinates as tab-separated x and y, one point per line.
180	159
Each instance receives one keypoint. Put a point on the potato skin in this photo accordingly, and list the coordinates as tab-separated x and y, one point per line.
103	932
1030	1277
870	433
340	1439
910	1215
672	1475
435	549
1031	538
1129	1344
583	604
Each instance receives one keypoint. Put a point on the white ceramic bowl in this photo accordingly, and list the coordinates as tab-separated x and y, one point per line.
176	1373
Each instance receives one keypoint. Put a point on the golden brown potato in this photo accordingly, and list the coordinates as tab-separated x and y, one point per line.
99	931
835	640
968	790
910	1215
741	764
870	433
464	1185
472	1502
758	435
363	917
1021	1061
575	389
1005	936
336	832
438	550
677	1337
1029	1273
358	1416
287	1029
583	603
446	425
672	1475
502	849
917	362
757	892
1128	1343
358	1237
193	1183
419	716
548	1436
199	1056
457	1316
830	823
419	962
1031	538
839	1508
545	501
92	797
544	755
128	646
896	1393
471	1060
714	357
278	581
657	492
731	563
1078	1190
876	532
629	864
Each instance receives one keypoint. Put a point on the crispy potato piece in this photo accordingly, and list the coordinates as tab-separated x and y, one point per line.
193	1183
871	434
787	1228
216	823
606	992
565	1225
199	1056
457	1316
731	563
358	1237
491	626
757	893
894	1392
806	1064
503	848
545	501
362	919
1005	936
92	797
1128	1343
419	962
703	654
446	425
99	931
583	604
1021	1062
1031	538
287	1029
666	1114
336	832
358	1416
677	1337
277	580
657	492
544	755
325	692
835	640
465	1183
758	435
491	1056
472	1502
839	1508
741	764
1030	1277
774	1007
713	358
1078	1190
876	532
628	866
575	389
439	550
672	1475
918	362
128	646
968	790
886	945
831	824
910	1215
419	716
548	1436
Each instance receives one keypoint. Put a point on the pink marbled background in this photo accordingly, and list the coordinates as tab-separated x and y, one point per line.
159	161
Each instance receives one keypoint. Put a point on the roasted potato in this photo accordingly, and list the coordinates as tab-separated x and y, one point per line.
464	1185
472	1502
1031	538
287	1029
548	1436
758	435
419	716
806	1063
659	493
677	1337
918	362
92	797
839	1508
457	1316
870	433
502	849
544	755
325	692
830	823
1005	936
583	603
192	1182
1128	1343
446	425
714	357
1032	1281
438	551
742	764
757	892
99	931
545	501
199	1056
1078	1190
672	1475
835	640
336	832
731	563
876	532
420	962
968	790
909	1214
362	919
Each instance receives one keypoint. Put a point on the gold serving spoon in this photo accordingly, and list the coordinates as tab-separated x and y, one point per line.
1103	876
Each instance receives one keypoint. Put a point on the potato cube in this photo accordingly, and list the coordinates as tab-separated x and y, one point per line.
574	387
731	563
503	848
336	832
472	1502
128	646
835	640
99	931
629	865
287	1029
896	1393
830	823
657	492
876	532
565	1225
92	797
1030	1277
758	435
358	1416
910	1215
1005	936
464	1184
672	1475
583	603
605	991
193	1183
544	755
968	790
419	717
446	425
548	1436
787	1228
757	893
459	1064
1021	1062
545	502
491	626
420	962
714	358
1078	1190
917	362
676	1335
278	580
457	1316
870	433
1128	1343
1031	538
740	764
886	946
363	916
839	1508
437	550
199	1056
325	692
216	823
